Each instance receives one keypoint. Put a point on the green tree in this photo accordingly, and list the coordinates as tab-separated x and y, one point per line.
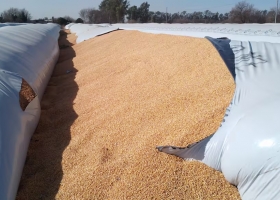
79	20
215	17
132	13
61	21
114	9
143	12
24	16
151	16
207	14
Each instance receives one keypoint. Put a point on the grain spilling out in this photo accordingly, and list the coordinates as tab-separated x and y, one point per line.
26	95
114	98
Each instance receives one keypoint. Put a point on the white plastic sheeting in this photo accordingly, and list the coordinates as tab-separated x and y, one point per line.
240	32
29	52
11	24
87	31
69	25
246	148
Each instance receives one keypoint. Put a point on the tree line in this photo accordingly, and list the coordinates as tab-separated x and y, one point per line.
120	11
115	11
23	16
15	15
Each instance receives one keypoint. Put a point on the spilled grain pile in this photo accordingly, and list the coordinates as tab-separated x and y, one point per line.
110	102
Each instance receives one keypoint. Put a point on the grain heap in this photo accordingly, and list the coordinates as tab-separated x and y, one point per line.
110	102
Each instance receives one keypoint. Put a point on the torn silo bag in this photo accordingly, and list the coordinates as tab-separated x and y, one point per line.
246	148
27	53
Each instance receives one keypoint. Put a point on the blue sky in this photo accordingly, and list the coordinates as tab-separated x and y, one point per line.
57	8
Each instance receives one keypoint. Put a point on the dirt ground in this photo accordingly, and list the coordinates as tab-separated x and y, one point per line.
114	98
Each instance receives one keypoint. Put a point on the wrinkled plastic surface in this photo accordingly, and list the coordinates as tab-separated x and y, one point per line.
246	148
29	52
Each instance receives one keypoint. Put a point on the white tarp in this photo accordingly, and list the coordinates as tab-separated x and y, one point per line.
69	25
240	32
11	24
29	52
88	31
246	148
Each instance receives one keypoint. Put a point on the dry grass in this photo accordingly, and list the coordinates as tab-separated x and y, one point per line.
110	102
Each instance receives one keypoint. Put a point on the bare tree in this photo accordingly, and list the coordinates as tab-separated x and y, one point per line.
242	12
16	15
272	14
83	14
10	15
88	15
260	16
93	16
